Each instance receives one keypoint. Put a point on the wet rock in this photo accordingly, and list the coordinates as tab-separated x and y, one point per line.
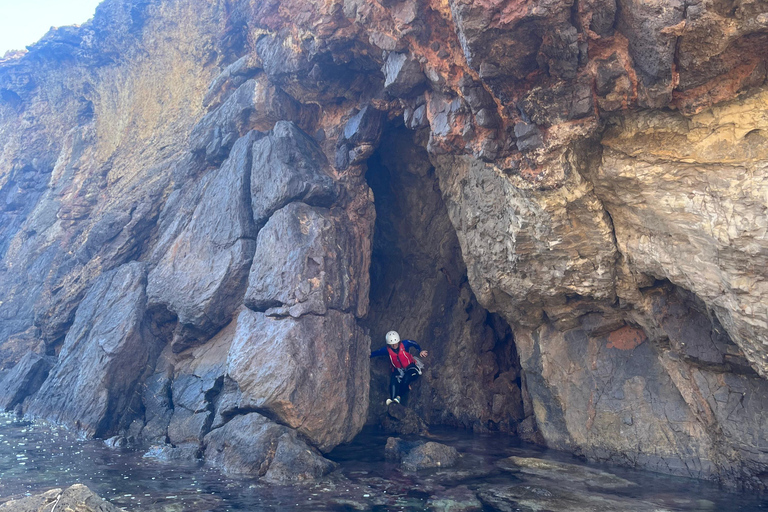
24	379
561	471
252	445
205	250
106	357
305	263
167	452
556	499
288	165
402	75
311	372
416	455
403	421
77	497
457	499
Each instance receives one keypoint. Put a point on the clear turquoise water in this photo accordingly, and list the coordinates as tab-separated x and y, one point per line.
35	457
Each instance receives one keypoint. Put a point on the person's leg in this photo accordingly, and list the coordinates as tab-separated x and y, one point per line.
411	374
394	385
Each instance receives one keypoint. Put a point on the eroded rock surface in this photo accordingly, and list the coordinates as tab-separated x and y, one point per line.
574	227
77	497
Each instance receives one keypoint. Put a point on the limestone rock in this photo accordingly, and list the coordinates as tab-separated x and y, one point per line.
105	358
310	372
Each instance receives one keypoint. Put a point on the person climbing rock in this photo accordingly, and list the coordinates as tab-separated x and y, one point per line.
405	368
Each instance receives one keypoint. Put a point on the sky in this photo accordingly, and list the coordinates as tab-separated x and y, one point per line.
22	22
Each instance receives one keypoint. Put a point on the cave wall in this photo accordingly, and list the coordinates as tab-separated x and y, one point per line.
582	190
419	288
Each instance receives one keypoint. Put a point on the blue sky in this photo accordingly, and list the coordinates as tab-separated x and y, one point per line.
22	22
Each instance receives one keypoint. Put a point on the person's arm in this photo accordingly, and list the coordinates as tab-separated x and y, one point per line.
380	352
410	343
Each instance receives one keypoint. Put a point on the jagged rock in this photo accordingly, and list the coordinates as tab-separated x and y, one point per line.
252	445
288	166
310	372
77	497
402	75
205	249
105	358
648	27
305	263
23	380
257	104
364	127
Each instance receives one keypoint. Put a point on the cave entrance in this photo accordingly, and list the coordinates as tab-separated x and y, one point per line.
419	288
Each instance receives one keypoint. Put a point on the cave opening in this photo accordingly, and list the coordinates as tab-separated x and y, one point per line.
419	287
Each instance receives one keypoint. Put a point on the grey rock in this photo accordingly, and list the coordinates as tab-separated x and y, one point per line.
23	380
105	359
257	104
416	455
288	165
402	75
560	471
77	497
290	368
251	444
305	261
168	453
365	126
456	499
651	46
528	136
204	253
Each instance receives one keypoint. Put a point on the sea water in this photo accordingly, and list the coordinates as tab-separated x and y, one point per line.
36	456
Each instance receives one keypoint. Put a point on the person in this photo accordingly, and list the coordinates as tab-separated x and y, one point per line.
404	367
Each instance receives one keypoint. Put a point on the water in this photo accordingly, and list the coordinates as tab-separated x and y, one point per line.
35	457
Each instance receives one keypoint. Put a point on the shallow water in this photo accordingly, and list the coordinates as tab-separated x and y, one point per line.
35	457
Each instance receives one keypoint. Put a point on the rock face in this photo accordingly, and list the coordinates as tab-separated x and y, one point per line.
106	356
207	211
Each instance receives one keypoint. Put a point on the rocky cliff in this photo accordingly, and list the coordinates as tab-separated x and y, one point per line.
209	211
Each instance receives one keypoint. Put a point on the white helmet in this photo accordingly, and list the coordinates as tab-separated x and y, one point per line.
393	338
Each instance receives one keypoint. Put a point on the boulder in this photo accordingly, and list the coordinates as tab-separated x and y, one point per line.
288	165
77	498
105	359
205	250
416	455
403	421
311	373
23	380
253	445
304	263
456	499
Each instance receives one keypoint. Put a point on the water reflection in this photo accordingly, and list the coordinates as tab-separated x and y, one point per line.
35	456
